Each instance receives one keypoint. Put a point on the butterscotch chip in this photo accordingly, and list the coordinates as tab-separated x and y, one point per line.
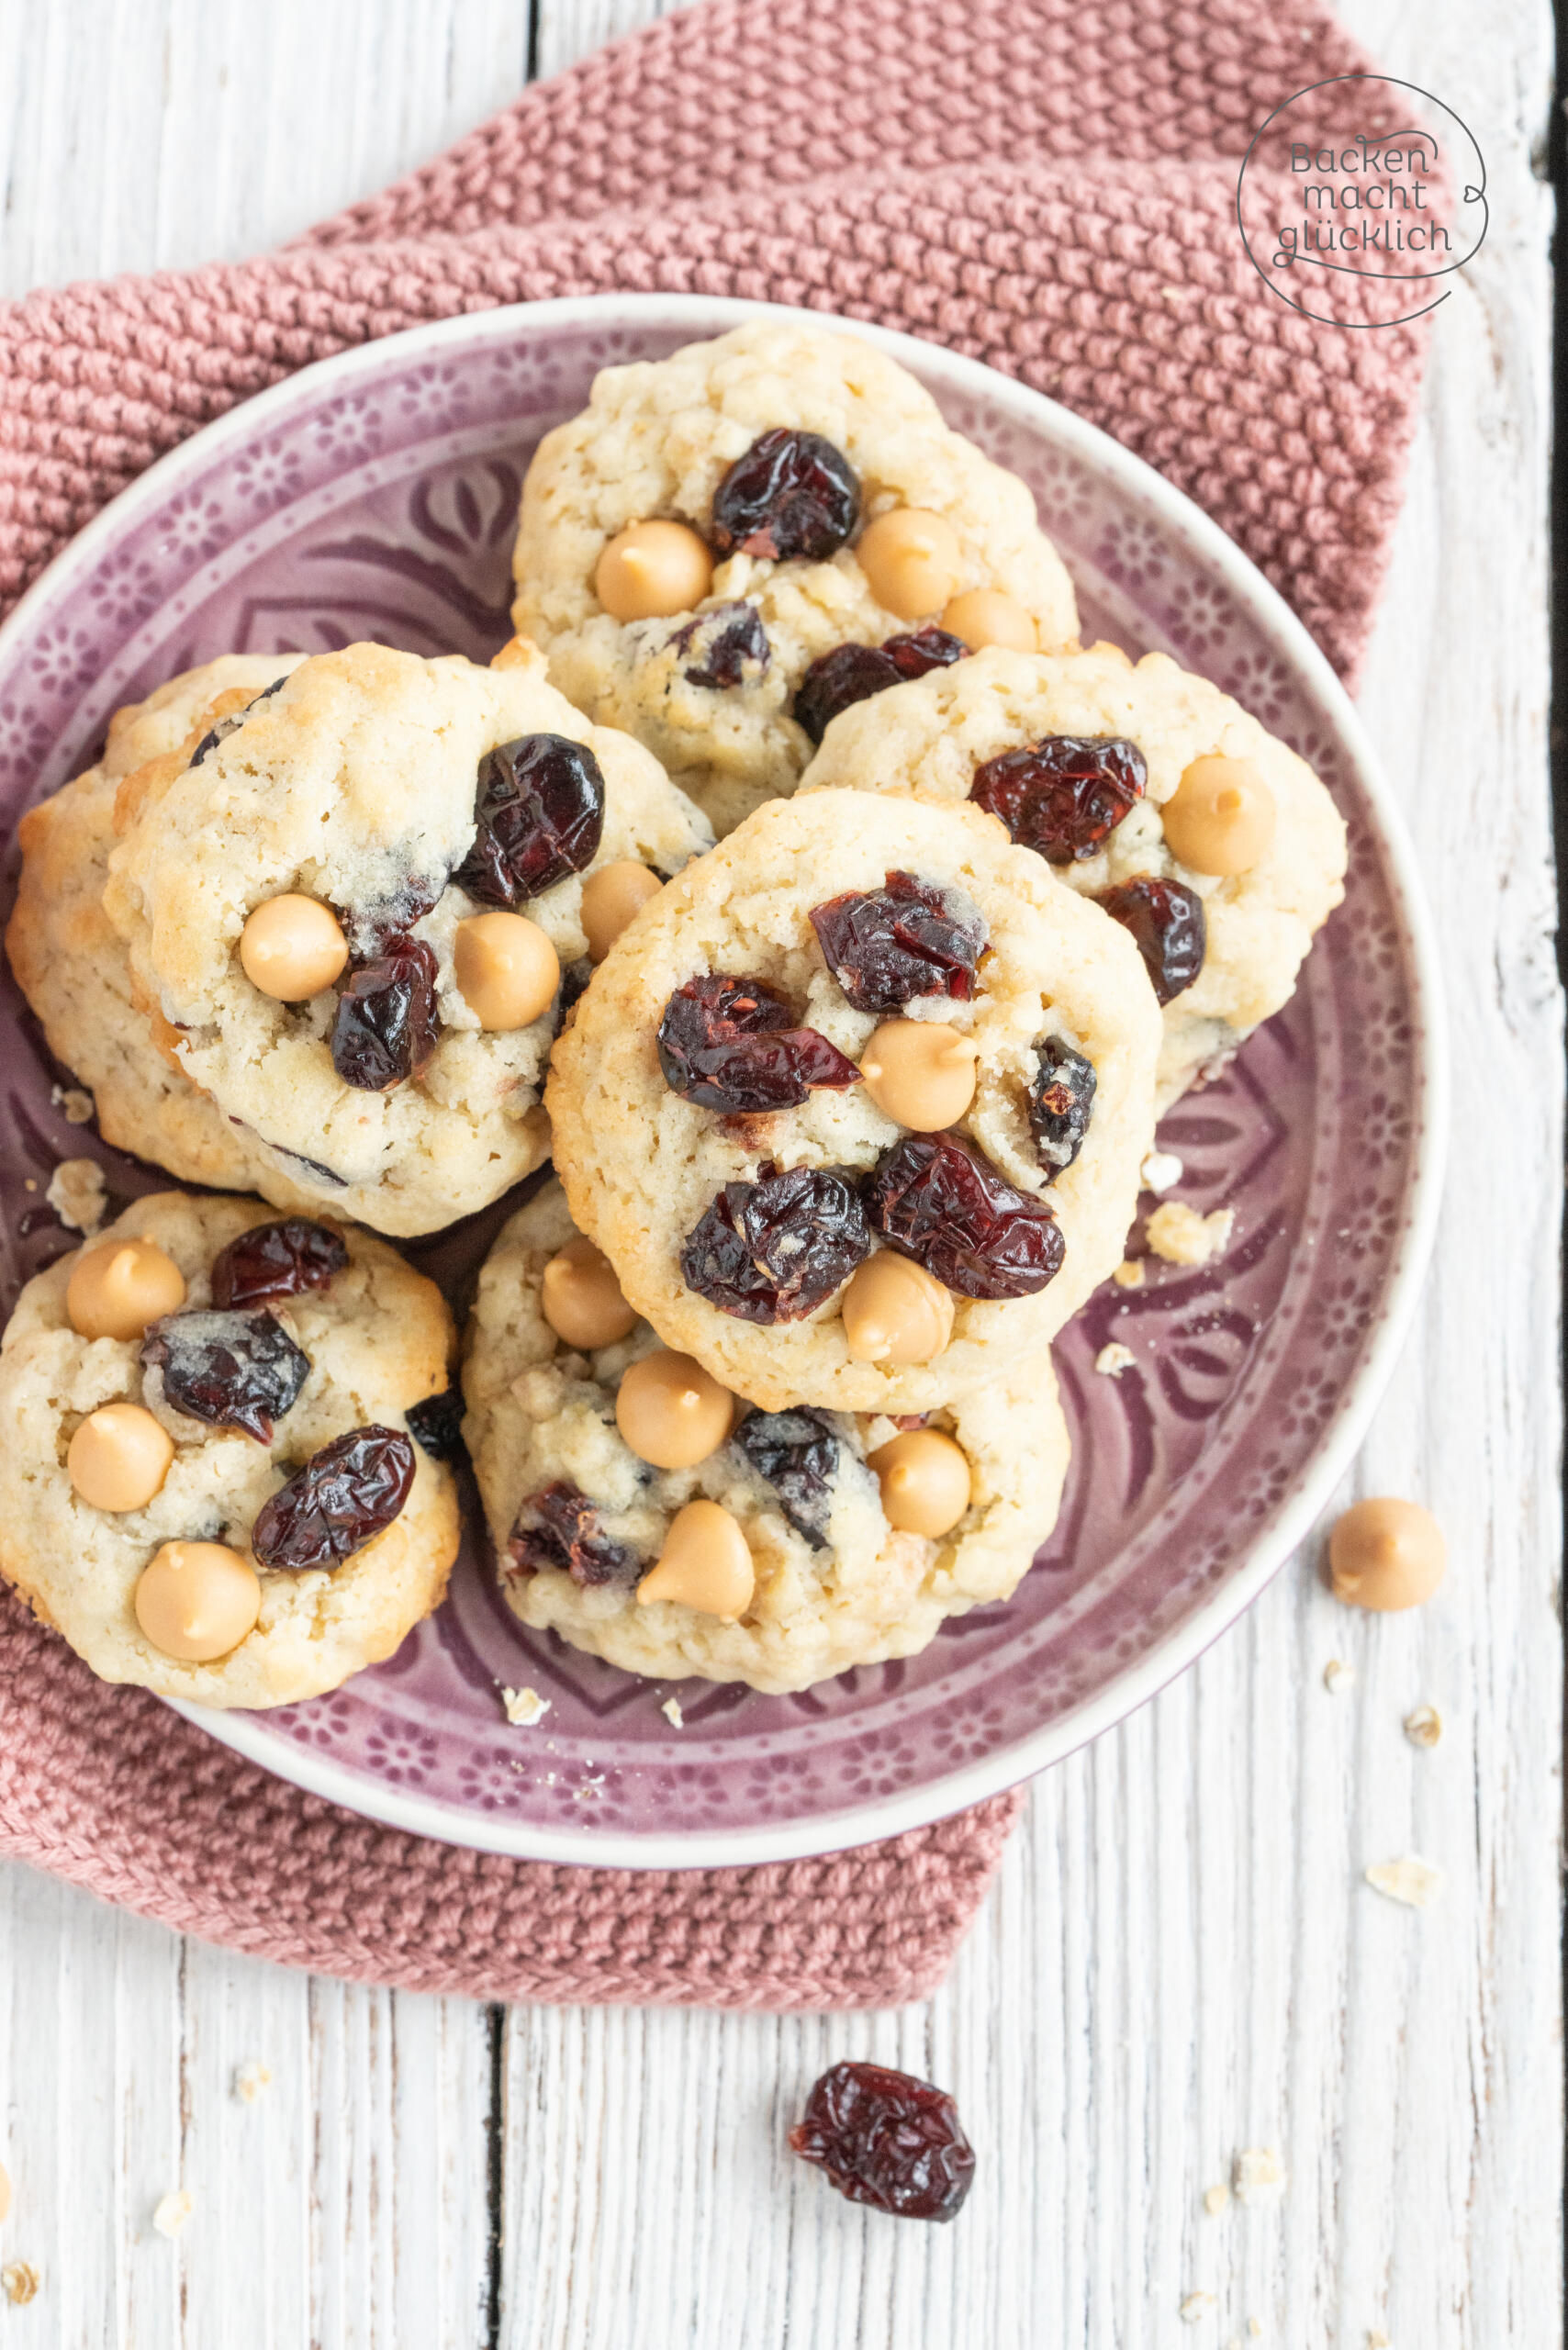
671	1412
705	1564
581	1299
652	570
925	1481
1221	817
611	897
1386	1554
912	559
119	1457
197	1600
506	969
118	1287
292	948
894	1310
920	1073
983	616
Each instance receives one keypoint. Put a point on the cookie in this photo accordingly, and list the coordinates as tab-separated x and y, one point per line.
1144	787
868	1042
212	1489
717	522
71	962
360	904
581	1519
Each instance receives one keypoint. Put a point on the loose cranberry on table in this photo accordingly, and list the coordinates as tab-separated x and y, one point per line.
234	1370
1065	795
1169	928
731	1044
345	1494
775	1250
792	495
951	1211
852	673
887	2140
386	1029
910	938
1060	1101
278	1259
558	1526
540	813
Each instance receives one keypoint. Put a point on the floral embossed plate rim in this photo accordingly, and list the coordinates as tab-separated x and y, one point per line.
372	495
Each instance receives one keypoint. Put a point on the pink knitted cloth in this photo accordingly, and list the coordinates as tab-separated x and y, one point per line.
1048	187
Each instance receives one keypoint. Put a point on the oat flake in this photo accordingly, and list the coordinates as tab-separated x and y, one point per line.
20	2280
174	2210
1415	1882
1423	1727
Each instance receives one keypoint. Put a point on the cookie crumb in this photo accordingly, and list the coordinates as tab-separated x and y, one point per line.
1339	1677
77	1105
20	2280
671	1711
1257	2175
174	2210
1194	2307
1129	1273
1215	2198
524	1707
29	1184
1182	1236
78	1194
1415	1882
1423	1727
250	2082
1160	1170
1112	1360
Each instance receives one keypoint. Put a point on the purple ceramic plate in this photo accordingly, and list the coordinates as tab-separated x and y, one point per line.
375	496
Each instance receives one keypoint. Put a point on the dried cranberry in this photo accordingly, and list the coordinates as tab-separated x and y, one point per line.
558	1526
796	1453
887	2140
728	646
277	1260
1169	929
235	1371
730	1044
910	938
436	1425
852	673
344	1496
233	723
386	1029
1065	795
539	813
949	1209
773	1251
1060	1100
791	494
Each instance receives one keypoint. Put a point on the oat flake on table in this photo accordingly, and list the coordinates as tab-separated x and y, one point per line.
1412	1880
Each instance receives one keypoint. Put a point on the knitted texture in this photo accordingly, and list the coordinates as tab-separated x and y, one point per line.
1048	188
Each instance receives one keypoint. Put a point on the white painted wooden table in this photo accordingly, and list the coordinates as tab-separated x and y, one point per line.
1180	1959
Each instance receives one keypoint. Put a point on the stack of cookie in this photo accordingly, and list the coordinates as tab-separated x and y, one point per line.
847	1113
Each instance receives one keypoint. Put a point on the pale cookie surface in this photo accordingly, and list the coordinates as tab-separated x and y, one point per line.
70	963
378	1339
930	735
851	1591
656	441
642	1165
355	785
